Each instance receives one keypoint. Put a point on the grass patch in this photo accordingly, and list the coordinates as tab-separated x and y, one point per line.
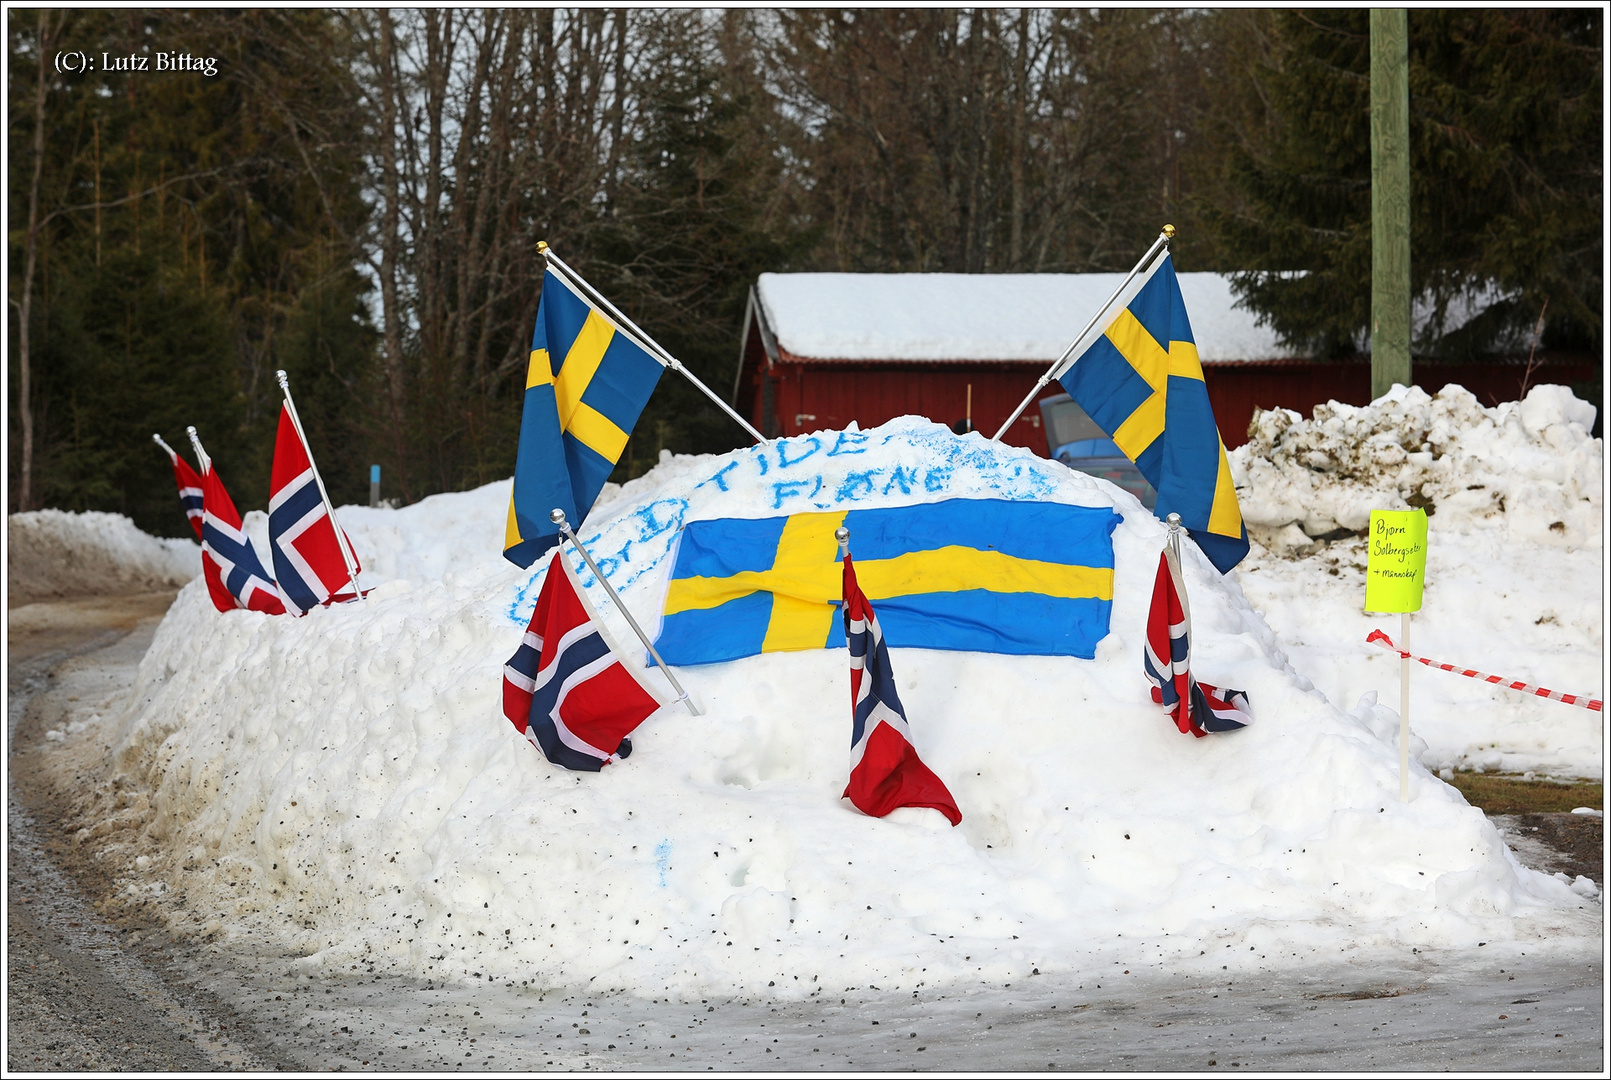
1512	795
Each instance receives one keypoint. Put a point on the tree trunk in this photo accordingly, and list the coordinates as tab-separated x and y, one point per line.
1019	102
25	408
391	312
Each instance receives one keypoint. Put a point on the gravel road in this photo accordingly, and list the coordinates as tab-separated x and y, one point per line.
92	987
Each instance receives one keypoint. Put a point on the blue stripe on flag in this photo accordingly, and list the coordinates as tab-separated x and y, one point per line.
1042	531
1106	386
242	557
291	510
525	661
578	655
562	314
734	630
1017	624
616	388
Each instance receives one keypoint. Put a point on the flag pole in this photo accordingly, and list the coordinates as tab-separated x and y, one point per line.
324	496
1173	543
201	455
643	339
1164	237
159	441
1404	712
557	516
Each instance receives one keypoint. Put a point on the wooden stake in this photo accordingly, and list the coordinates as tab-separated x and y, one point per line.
1404	711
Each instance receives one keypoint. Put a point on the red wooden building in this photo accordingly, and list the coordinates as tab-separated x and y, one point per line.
821	350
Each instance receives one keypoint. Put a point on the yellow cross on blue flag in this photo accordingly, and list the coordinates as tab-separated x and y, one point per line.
976	575
1141	381
586	382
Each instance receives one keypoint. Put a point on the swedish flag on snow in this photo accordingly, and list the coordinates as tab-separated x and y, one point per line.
980	575
586	383
1141	381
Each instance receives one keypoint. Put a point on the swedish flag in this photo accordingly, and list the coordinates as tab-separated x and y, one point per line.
586	383
981	575
1142	383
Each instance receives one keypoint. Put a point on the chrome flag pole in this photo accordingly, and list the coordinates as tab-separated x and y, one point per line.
1164	237
644	339
201	455
1173	544
557	516
324	496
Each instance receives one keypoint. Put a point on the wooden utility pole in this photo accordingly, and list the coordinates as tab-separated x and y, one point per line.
1389	199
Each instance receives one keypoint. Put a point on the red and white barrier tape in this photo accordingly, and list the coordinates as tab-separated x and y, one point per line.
1592	704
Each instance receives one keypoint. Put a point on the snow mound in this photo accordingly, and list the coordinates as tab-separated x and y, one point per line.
1530	464
1513	497
343	788
58	553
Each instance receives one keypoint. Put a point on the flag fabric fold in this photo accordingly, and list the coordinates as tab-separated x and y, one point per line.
587	380
229	563
565	689
302	537
1195	707
885	771
1140	380
190	490
977	575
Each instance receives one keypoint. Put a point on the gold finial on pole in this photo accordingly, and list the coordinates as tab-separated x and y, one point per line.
542	247
1169	231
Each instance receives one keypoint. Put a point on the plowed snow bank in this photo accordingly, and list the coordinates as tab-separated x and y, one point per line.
58	553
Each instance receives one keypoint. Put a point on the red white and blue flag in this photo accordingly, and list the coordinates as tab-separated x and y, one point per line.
190	494
302	537
1195	707
885	771
566	689
235	575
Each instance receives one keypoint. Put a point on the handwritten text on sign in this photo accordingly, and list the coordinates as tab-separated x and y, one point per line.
1395	568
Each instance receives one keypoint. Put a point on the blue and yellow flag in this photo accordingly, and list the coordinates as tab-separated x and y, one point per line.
586	383
982	575
1142	383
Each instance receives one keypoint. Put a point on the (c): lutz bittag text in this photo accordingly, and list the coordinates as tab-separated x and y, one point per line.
83	63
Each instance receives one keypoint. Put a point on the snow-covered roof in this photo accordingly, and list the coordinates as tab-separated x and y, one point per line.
1003	317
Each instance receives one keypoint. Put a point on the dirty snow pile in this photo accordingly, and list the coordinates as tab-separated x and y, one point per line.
1514	563
343	787
57	553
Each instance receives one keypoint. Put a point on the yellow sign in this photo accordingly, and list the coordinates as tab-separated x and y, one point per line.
1395	568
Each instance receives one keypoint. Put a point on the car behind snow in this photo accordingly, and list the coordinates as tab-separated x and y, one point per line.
1075	440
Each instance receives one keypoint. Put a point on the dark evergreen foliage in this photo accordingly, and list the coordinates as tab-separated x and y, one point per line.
1506	181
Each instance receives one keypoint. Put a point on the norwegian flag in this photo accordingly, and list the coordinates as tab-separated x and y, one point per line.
565	689
1168	662
190	495
235	575
302	536
885	771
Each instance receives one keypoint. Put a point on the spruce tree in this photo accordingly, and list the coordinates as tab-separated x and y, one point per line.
1506	184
